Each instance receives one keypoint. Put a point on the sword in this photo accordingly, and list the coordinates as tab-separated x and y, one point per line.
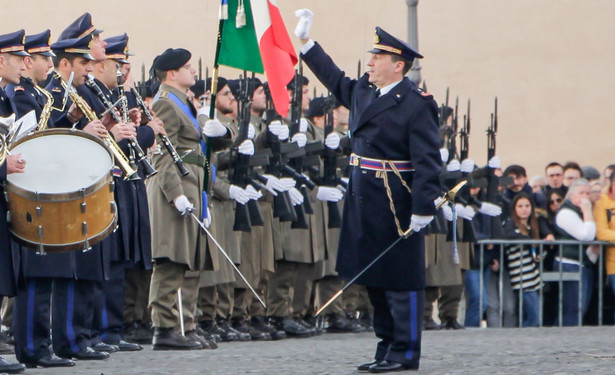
227	258
449	196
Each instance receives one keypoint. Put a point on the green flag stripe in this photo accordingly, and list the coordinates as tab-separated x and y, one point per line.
239	47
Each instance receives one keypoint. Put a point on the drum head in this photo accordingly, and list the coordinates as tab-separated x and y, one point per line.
60	162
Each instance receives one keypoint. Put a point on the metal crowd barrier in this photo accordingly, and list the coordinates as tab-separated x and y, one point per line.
551	276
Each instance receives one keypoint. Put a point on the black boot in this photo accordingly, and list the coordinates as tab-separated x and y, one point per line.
338	323
224	325
288	325
167	339
242	325
260	323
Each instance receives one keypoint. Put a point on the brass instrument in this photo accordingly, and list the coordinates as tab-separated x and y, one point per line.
148	169
118	154
163	138
46	112
4	148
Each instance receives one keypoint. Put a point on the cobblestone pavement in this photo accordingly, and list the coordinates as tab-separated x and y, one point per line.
471	351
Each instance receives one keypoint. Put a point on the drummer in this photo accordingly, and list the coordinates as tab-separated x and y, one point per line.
11	66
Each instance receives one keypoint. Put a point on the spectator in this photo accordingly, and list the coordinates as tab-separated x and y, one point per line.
590	173
520	184
595	190
572	171
575	221
555	199
538	183
521	259
604	212
555	177
607	173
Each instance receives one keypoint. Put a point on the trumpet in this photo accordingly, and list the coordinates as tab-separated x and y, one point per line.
163	138
91	116
4	148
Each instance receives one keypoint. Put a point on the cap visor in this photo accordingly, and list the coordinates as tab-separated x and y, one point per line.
87	56
20	53
47	54
97	31
376	50
121	61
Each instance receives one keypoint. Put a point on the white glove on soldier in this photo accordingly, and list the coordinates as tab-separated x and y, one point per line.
490	209
448	212
246	147
288	183
238	194
464	212
495	163
281	130
303	125
273	184
300	138
467	166
203	111
453	166
207	220
214	128
332	141
444	155
183	205
418	222
251	131
302	30
253	194
296	198
329	194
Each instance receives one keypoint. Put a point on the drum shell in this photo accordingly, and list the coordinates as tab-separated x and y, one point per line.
61	217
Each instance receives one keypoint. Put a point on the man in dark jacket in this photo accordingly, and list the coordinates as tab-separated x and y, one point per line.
394	181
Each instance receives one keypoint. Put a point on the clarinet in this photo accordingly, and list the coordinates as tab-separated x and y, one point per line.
148	170
163	138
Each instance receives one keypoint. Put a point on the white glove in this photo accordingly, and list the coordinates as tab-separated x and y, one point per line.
300	138
332	141
329	194
494	163
207	220
464	212
238	194
183	205
444	155
246	147
490	209
345	179
214	128
203	111
296	198
288	183
251	131
467	165
418	222
253	194
453	166
279	129
273	185
303	125
302	30
447	211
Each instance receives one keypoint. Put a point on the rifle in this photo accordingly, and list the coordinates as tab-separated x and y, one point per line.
330	177
452	141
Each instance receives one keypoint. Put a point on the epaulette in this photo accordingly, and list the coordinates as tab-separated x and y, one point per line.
423	93
19	88
163	94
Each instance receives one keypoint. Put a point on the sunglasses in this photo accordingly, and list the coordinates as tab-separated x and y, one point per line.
556	200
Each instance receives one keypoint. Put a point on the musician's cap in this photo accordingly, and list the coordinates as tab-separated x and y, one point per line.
81	27
78	46
39	44
317	107
13	43
387	43
172	59
117	48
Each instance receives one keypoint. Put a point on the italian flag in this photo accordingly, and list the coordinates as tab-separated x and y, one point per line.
254	38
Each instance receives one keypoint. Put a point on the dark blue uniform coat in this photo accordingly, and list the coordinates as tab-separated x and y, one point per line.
400	125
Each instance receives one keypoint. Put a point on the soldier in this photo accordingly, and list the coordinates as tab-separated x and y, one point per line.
393	123
11	67
178	243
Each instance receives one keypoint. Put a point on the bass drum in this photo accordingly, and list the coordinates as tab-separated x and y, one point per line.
64	200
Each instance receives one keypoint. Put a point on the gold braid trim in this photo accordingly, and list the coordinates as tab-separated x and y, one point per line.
385	180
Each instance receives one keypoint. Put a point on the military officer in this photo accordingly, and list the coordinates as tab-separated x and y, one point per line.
11	67
393	123
178	243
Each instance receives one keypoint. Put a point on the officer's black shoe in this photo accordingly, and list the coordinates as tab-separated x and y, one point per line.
88	353
288	325
102	347
167	339
430	325
452	324
261	324
125	346
366	366
215	333
205	343
51	361
388	366
338	323
10	367
226	327
242	325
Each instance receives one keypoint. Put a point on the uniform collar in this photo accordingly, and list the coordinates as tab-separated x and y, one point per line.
387	88
180	95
